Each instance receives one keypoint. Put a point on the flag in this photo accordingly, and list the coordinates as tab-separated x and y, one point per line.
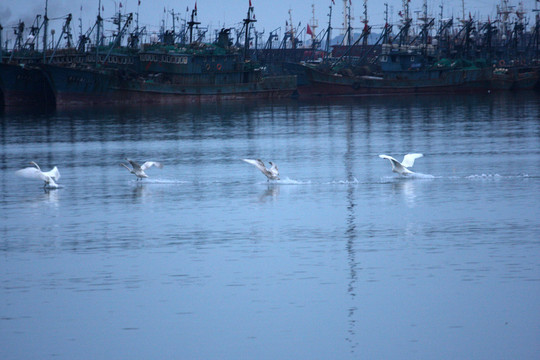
120	5
308	31
250	4
333	2
139	4
195	6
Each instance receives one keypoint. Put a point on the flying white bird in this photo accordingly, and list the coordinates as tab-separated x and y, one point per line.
49	177
138	170
271	174
401	167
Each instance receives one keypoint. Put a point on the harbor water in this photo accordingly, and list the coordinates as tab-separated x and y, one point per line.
339	259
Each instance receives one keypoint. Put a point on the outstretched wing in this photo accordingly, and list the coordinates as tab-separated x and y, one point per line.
408	160
148	164
31	173
392	160
54	173
135	165
258	163
395	164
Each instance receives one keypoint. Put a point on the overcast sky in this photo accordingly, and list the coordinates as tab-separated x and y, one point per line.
270	14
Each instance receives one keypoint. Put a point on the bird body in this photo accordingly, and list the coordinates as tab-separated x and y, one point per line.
272	173
402	167
138	170
49	177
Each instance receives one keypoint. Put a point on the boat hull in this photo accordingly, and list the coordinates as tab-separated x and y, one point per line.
23	86
74	87
415	82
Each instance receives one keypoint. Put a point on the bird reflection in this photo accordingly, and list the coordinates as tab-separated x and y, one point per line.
139	191
270	193
51	196
407	188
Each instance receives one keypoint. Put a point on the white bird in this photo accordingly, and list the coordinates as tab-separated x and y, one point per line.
271	174
401	167
49	177
138	170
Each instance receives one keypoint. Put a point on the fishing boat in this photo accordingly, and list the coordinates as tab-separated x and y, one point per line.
515	78
168	74
22	85
402	71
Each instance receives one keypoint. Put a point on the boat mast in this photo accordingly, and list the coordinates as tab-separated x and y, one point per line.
386	24
367	29
329	31
314	22
173	25
45	30
346	23
192	23
137	24
66	29
404	38
291	32
314	25
248	20
98	32
536	29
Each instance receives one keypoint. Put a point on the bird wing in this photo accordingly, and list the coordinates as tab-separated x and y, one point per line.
127	167
392	160
148	164
258	163
54	173
32	173
274	170
408	160
135	165
395	164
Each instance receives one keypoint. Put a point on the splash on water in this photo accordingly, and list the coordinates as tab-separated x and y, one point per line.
289	181
344	182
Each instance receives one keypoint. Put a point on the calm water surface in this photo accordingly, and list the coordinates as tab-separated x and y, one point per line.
340	259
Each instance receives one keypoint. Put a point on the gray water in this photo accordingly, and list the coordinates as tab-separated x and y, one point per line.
340	259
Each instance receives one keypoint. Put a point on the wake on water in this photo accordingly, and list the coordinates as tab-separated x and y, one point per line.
496	177
289	181
159	181
353	181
